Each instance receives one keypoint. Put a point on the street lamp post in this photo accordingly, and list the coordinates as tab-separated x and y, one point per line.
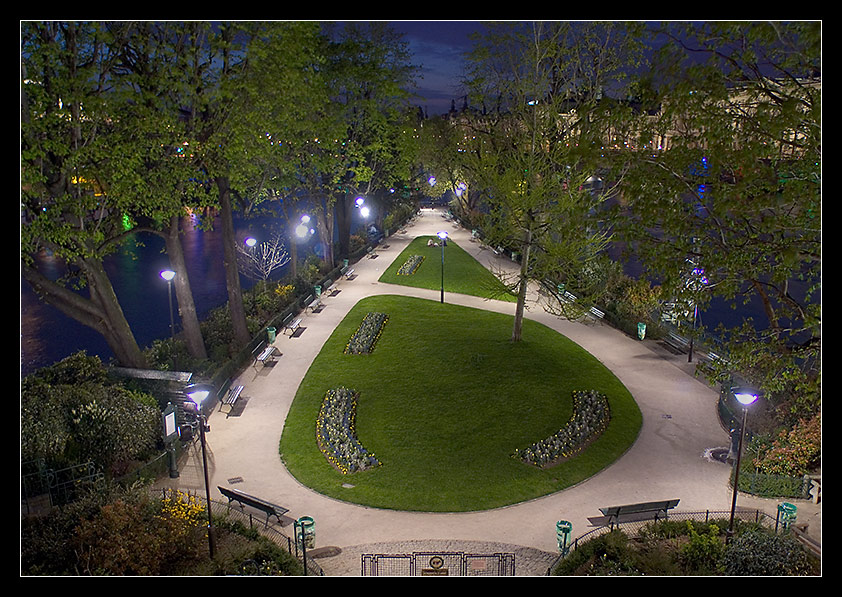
168	275
746	397
443	236
197	394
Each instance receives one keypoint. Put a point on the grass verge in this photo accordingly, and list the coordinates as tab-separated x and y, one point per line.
445	399
462	273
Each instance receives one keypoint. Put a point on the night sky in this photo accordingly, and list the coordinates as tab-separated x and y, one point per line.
437	47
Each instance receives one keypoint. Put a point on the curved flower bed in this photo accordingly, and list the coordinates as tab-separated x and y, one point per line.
335	433
410	265
591	414
364	339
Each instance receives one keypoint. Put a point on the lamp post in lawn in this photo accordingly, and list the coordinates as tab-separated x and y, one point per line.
443	236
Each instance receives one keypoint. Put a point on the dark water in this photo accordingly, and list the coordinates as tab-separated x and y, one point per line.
47	335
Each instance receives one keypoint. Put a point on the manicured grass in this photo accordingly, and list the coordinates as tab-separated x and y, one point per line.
462	273
445	398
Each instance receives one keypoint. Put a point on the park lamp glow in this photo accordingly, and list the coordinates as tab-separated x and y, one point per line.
745	396
168	274
251	241
303	229
198	393
443	234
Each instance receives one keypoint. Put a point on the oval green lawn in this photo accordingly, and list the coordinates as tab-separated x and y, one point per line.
445	399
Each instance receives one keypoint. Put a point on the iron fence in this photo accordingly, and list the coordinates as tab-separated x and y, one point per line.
438	563
633	528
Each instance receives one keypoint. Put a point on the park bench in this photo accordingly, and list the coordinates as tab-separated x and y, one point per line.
596	313
228	396
677	342
313	303
347	272
245	499
291	324
265	353
641	511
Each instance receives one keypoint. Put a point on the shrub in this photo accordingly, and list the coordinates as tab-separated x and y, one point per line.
761	553
704	550
795	451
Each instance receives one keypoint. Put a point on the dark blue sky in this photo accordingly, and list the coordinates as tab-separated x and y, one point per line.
437	47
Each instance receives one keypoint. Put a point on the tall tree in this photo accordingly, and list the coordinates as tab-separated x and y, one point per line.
736	191
531	150
66	209
371	77
156	172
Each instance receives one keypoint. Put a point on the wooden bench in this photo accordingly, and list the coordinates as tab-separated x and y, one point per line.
347	272
291	324
228	396
677	342
596	313
245	499
265	353
641	511
313	303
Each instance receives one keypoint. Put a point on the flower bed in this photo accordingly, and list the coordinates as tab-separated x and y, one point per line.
335	432
364	339
410	265
591	414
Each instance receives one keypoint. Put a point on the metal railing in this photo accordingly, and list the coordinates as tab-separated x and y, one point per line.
633	528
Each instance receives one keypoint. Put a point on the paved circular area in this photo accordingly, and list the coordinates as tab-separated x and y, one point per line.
670	459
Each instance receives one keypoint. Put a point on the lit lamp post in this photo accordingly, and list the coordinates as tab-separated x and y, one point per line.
168	275
198	393
746	397
443	236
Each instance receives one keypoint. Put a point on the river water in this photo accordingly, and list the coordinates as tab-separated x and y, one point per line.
47	335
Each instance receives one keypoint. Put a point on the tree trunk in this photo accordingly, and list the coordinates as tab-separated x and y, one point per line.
517	330
229	261
184	294
101	312
343	221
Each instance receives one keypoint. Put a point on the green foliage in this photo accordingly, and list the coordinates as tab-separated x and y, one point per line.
760	553
687	548
795	451
128	532
704	550
85	419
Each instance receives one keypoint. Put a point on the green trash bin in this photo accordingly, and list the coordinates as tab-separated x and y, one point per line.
270	333
305	532
563	528
641	330
318	290
787	514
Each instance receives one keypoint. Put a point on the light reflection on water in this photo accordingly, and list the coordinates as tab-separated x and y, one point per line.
47	335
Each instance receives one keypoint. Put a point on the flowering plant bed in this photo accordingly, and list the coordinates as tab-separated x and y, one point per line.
336	435
591	414
364	339
410	265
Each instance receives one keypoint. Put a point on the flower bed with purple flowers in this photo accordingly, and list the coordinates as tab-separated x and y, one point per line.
591	415
336	435
364	339
410	265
